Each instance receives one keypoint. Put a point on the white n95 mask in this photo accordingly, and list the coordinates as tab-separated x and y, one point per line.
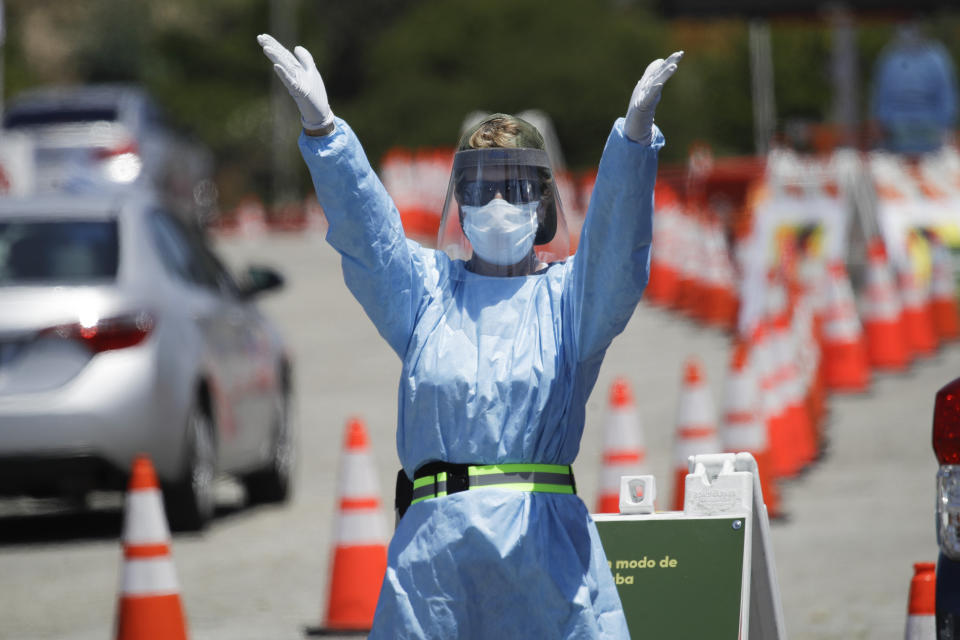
499	232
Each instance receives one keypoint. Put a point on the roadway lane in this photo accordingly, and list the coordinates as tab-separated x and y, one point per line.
858	519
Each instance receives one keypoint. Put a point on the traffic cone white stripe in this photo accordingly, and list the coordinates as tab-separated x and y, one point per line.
356	479
776	294
789	378
770	400
361	527
841	321
665	229
621	432
154	576
144	520
808	349
745	432
881	301
914	294
698	408
942	285
813	278
921	628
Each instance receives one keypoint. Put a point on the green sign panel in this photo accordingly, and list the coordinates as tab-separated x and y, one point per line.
677	578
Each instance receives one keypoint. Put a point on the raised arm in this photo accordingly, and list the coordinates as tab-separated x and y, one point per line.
383	271
609	271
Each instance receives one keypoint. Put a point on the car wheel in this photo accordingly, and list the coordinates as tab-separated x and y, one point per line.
191	501
272	483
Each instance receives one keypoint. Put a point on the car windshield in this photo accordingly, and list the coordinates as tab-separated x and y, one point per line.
57	251
28	117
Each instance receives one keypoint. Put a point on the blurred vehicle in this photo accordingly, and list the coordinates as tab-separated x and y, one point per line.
96	138
946	446
121	332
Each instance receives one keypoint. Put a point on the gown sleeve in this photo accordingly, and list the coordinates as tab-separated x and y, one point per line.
382	269
609	271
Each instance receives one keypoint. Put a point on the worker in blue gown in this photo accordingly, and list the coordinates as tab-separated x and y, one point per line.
501	334
914	99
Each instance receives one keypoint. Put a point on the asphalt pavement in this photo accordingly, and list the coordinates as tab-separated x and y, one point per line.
857	519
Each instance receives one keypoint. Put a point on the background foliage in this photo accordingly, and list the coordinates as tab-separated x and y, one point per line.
406	72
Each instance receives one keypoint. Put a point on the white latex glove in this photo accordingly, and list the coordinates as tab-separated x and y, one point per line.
299	75
646	95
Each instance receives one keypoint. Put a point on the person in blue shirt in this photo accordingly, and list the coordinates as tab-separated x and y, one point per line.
501	335
914	99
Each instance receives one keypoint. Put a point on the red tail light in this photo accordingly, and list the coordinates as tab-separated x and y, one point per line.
107	334
105	153
946	424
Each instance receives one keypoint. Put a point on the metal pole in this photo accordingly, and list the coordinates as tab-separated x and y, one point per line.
3	50
284	114
761	77
844	73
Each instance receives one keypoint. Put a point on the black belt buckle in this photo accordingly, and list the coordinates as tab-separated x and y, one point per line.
458	478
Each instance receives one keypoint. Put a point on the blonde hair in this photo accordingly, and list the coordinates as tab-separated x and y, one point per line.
501	130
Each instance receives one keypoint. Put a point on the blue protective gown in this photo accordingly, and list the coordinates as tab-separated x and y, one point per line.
914	96
495	370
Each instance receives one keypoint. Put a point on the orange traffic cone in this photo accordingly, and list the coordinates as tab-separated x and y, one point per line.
360	556
808	324
785	460
688	252
699	267
149	605
844	351
664	268
742	428
882	313
943	294
696	426
804	329
797	426
921	610
624	452
720	301
917	321
772	408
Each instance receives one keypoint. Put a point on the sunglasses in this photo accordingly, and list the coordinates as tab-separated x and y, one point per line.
514	191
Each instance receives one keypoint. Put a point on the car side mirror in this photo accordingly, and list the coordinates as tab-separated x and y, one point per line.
259	279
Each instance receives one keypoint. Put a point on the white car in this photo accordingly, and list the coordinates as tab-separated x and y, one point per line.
108	137
121	333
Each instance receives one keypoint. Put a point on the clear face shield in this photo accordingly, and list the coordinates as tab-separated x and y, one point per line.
502	213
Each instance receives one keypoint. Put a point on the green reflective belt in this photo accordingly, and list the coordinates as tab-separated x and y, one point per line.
543	478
